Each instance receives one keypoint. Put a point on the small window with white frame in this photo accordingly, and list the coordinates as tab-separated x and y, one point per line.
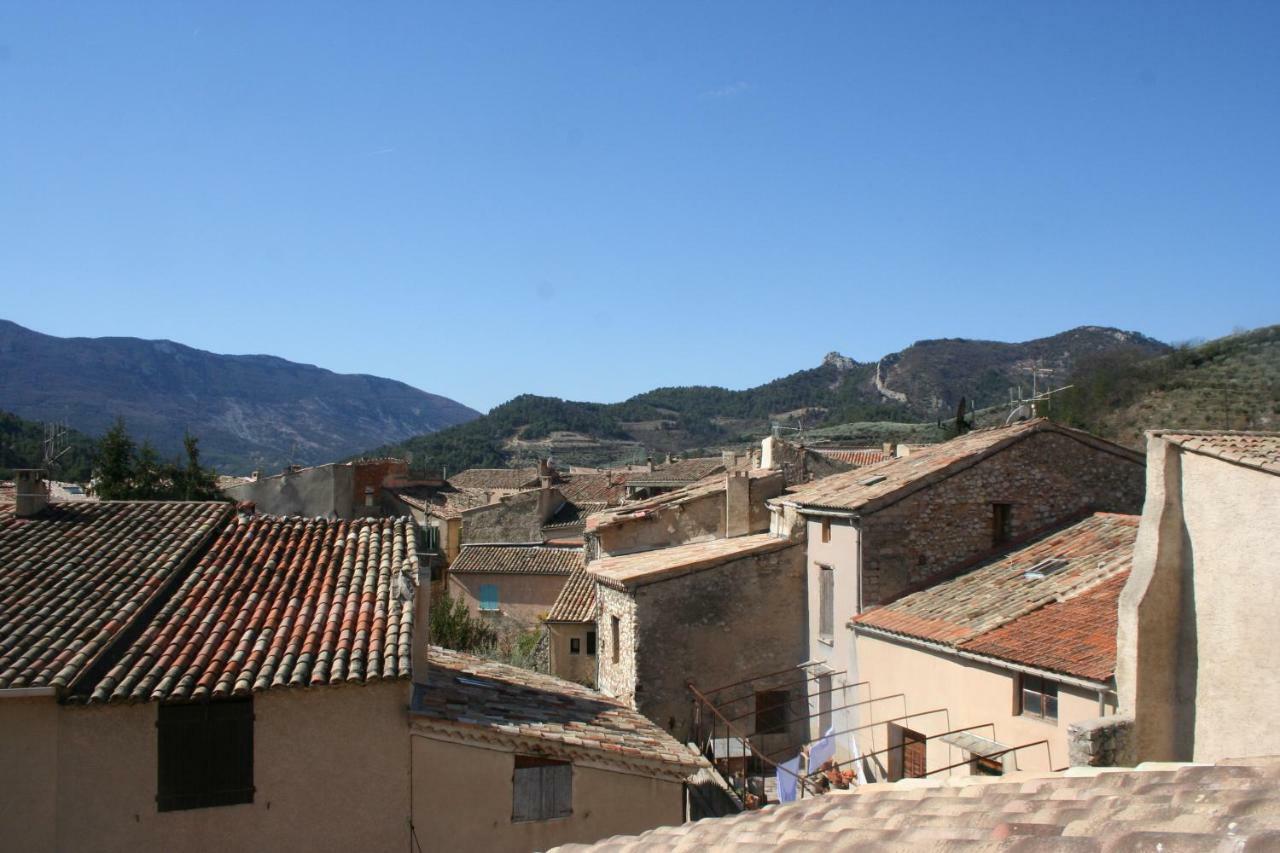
1038	697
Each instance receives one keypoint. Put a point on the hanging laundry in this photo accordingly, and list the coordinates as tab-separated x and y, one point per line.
822	751
788	774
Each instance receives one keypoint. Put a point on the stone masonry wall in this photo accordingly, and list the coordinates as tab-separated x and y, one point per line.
1045	478
617	678
518	518
721	625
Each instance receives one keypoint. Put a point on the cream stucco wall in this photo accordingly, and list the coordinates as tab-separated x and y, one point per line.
462	799
971	694
564	664
523	599
1195	664
841	554
331	772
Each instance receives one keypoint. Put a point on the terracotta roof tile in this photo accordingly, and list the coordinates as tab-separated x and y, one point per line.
1255	449
649	566
495	478
1076	636
577	601
1082	555
279	602
601	488
858	457
1234	805
72	577
682	471
868	488
442	502
517	560
709	485
466	690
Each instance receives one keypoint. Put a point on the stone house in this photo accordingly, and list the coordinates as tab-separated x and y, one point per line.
571	630
1196	670
718	507
985	671
225	678
514	586
336	490
876	533
437	511
707	612
678	473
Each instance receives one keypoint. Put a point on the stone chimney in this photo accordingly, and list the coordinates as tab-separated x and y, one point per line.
737	504
545	474
648	464
890	449
31	492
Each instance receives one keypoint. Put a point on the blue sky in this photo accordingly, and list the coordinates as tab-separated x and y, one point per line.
592	199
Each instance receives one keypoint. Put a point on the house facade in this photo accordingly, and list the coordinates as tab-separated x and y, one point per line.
876	533
571	630
514	586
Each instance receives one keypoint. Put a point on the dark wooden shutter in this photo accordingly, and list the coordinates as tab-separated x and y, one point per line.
826	602
913	754
542	789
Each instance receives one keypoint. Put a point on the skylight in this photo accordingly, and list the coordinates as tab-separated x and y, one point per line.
871	481
1044	568
474	682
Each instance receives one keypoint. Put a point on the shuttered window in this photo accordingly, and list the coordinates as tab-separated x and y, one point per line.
205	755
826	603
541	788
488	596
591	642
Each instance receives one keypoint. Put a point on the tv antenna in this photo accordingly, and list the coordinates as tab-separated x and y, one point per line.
1025	408
56	443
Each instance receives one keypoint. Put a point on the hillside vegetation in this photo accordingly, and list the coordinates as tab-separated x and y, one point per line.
22	446
1229	383
922	383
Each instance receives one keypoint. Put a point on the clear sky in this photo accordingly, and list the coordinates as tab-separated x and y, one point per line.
592	199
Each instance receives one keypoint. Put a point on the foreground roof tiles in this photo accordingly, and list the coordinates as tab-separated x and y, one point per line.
1255	449
73	576
663	563
278	602
1234	805
502	700
1054	571
517	560
577	601
867	489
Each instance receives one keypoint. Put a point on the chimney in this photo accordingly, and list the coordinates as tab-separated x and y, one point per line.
737	504
31	492
890	449
648	464
245	509
256	475
545	473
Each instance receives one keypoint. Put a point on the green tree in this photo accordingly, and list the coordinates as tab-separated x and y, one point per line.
115	464
453	627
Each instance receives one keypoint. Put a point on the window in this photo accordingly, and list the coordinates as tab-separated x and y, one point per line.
1039	697
771	712
541	788
826	603
826	530
1001	523
615	637
489	596
205	755
591	642
575	646
907	758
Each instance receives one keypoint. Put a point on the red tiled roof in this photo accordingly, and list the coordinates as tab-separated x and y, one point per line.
74	576
856	456
441	502
602	488
999	593
577	601
464	690
1076	636
869	488
1256	449
279	602
661	563
517	560
683	471
495	478
710	485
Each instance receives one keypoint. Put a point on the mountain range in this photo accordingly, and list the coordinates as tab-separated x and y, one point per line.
922	383
249	411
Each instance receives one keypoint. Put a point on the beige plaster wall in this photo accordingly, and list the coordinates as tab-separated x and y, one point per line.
1232	517
462	801
331	772
841	554
971	693
564	664
522	599
28	773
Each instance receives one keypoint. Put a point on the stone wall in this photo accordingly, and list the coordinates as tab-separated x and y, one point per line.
324	491
617	674
1045	478
517	518
730	622
1102	742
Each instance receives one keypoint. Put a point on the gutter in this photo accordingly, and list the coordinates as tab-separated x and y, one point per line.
29	692
1084	683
